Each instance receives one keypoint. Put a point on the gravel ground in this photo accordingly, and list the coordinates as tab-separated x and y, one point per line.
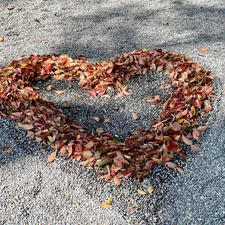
33	192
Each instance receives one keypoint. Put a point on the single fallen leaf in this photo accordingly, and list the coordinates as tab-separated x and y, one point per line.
59	77
100	130
135	116
75	202
96	118
49	87
120	95
87	154
195	148
107	203
171	165
84	163
127	93
106	96
204	49
150	189
208	106
10	8
103	162
51	157
186	140
25	126
202	128
57	190
164	23
59	92
179	169
196	134
116	180
220	23
43	41
1	38
141	192
108	120
90	144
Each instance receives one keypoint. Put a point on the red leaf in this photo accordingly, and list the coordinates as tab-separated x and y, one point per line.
204	49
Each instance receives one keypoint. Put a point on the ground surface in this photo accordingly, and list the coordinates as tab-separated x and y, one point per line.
32	192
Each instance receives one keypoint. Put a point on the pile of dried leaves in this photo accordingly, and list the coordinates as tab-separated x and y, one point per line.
137	155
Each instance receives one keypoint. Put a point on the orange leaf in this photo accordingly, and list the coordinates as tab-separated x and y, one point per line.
51	157
116	180
59	92
204	49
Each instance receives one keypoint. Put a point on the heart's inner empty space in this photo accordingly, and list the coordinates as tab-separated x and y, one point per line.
91	112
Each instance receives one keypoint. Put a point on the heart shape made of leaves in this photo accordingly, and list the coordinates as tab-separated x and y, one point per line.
138	154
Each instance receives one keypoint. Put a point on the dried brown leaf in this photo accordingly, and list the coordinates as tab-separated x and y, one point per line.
135	116
59	92
171	165
25	126
100	130
51	157
186	140
179	169
108	120
202	128
96	118
116	180
195	148
150	189
141	192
